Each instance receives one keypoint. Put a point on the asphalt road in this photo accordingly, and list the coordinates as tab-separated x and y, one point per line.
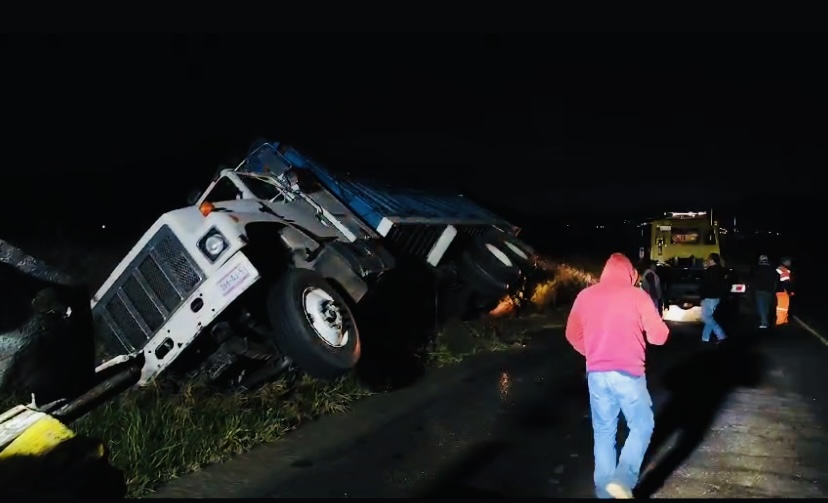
743	419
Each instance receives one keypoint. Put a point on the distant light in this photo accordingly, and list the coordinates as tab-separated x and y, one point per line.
103	226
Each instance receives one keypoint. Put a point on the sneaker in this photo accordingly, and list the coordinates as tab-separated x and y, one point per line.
618	491
763	326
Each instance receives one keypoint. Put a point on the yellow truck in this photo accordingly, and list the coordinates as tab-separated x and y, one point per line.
683	237
679	243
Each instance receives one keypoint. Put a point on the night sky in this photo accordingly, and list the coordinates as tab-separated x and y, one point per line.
116	130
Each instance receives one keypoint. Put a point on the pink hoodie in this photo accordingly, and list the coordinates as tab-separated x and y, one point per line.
609	320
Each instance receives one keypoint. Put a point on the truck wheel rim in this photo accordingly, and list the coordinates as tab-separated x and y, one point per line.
499	255
516	250
325	317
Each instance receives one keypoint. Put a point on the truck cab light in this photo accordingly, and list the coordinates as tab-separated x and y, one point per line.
206	208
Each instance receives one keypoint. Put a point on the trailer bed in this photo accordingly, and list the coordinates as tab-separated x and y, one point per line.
384	207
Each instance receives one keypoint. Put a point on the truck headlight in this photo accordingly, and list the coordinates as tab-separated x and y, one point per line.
213	244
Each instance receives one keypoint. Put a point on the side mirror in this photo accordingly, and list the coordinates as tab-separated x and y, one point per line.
193	197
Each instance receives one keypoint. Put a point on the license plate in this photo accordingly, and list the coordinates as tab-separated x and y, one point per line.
232	279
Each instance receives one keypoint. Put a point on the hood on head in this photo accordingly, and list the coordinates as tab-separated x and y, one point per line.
619	270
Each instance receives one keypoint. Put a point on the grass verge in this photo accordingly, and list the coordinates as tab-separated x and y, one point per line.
155	436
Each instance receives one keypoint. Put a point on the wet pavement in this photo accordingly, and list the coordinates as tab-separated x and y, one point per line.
746	418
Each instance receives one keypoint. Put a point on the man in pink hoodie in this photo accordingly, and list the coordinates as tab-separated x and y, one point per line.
610	324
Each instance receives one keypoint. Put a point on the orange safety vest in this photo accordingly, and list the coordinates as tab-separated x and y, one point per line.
783	298
784	273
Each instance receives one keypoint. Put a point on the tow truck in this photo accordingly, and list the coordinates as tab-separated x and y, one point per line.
679	243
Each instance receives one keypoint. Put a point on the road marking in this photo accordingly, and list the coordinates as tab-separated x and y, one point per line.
810	330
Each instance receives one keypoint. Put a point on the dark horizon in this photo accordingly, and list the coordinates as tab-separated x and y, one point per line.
539	128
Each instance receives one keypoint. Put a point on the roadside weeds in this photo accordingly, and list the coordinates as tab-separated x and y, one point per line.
155	436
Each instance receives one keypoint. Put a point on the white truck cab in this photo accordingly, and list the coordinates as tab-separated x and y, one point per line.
263	268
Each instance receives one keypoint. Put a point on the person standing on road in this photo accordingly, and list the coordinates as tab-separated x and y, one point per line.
784	292
610	324
713	287
651	283
764	284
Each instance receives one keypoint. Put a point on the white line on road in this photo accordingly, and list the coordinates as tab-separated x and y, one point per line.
811	330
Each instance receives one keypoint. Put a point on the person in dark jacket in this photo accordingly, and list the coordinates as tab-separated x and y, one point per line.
764	283
651	283
713	287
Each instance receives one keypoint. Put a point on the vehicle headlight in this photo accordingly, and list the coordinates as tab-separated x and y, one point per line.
213	244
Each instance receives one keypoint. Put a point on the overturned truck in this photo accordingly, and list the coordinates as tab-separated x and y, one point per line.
265	270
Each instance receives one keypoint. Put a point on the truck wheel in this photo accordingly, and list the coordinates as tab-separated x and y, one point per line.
312	324
521	253
485	261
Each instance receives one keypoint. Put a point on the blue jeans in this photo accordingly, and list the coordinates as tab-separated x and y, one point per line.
612	393
708	307
764	300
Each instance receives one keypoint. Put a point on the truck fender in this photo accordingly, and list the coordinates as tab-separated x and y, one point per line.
302	250
271	246
296	239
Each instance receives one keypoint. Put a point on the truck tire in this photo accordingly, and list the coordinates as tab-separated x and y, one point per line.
519	252
313	325
485	262
488	273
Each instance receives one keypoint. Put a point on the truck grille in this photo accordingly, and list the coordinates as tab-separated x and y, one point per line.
147	293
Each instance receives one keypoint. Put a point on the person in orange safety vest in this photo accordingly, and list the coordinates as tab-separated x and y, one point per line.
784	292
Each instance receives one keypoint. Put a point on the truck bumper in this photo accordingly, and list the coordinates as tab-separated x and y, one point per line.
203	306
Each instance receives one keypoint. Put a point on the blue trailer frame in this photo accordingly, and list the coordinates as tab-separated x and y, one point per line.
381	206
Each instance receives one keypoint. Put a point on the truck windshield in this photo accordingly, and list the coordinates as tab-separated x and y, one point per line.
260	188
692	236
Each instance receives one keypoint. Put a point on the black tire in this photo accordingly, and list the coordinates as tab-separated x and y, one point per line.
521	253
477	279
483	290
295	336
487	255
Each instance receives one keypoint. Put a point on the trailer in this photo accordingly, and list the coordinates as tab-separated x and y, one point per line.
475	254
